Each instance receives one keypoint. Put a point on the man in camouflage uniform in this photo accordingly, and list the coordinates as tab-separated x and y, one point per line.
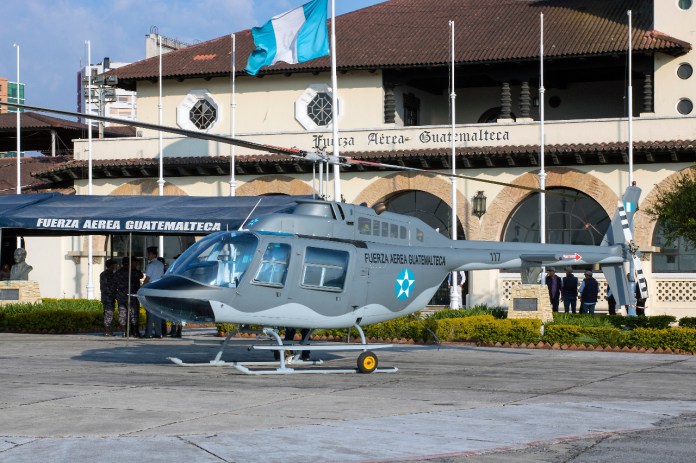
127	280
107	286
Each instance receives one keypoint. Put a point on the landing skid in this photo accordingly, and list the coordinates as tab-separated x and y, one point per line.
290	354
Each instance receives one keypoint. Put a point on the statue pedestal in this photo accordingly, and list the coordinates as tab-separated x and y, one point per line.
19	291
531	301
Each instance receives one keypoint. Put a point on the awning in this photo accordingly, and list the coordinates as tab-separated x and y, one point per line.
52	214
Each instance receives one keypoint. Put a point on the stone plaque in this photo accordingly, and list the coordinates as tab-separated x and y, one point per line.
525	303
9	294
530	301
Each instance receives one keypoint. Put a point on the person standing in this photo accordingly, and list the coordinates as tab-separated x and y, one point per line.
589	290
107	286
569	290
153	272
611	302
553	283
127	280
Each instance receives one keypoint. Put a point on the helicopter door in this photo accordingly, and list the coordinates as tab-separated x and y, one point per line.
324	282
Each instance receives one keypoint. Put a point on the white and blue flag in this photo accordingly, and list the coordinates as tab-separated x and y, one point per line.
294	37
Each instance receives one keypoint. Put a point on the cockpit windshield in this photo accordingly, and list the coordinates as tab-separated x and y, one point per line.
220	259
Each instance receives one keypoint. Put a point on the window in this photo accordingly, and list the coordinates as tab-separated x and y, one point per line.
203	114
684	71
364	226
198	111
218	259
411	109
325	268
375	227
274	265
674	257
685	4
319	109
685	106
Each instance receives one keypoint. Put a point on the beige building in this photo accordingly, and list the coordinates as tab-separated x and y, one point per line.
394	107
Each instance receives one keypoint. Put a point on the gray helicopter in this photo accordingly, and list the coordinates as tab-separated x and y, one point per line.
326	264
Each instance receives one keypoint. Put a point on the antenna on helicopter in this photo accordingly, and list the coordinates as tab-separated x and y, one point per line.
252	211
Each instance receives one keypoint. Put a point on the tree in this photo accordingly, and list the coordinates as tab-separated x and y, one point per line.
675	208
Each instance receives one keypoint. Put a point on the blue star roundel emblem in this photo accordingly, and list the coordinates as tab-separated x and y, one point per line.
404	284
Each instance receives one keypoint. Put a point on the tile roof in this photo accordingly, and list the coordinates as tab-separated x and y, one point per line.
415	33
28	167
436	158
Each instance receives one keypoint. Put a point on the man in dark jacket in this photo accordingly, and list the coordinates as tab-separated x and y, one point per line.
569	290
127	280
107	286
553	283
589	290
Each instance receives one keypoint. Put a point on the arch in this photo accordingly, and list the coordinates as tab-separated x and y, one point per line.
274	184
382	188
147	187
505	202
644	227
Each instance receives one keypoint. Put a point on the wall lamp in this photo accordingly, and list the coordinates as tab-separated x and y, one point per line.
479	204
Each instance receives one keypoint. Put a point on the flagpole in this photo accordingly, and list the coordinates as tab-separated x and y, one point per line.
542	171
630	105
160	181
233	181
19	141
631	308
334	105
90	281
454	293
19	131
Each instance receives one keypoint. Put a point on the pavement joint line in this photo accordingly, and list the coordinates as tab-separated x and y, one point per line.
186	441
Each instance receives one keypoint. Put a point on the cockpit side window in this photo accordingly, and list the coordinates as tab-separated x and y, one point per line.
220	259
274	265
325	269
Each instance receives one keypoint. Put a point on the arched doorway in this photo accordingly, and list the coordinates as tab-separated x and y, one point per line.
434	212
574	218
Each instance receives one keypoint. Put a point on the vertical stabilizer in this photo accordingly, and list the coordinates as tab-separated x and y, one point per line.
619	232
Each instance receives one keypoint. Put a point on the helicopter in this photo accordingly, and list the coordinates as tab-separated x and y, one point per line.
329	264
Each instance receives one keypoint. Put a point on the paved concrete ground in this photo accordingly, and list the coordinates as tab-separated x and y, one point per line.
88	398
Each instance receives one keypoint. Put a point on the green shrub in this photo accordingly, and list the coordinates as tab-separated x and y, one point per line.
683	339
586	335
561	318
657	322
688	322
497	312
486	328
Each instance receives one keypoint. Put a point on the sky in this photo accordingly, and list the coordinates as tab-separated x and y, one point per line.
51	34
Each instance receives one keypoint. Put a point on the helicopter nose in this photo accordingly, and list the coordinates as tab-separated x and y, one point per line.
178	299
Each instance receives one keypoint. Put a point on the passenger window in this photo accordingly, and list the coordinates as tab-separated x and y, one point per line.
385	229
274	265
364	226
325	268
394	231
419	234
404	233
375	227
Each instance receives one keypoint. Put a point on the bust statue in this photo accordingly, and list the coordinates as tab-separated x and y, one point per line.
20	270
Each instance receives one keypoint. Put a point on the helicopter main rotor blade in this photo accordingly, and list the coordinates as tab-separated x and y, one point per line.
311	156
175	130
445	174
